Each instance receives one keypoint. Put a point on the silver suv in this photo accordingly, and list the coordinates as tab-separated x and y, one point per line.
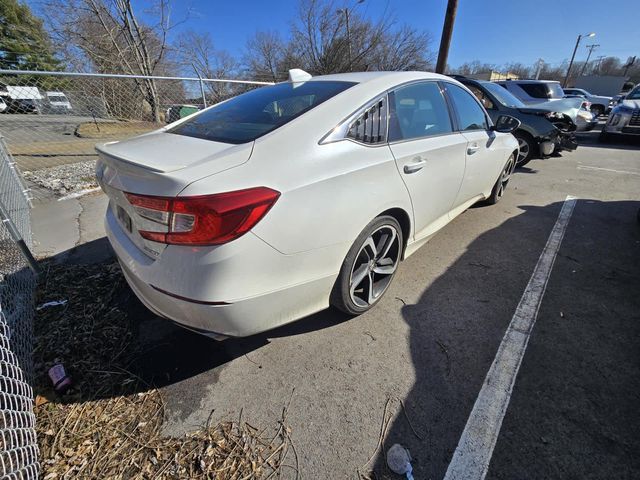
534	91
624	119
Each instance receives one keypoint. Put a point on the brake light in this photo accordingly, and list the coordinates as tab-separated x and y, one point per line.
205	219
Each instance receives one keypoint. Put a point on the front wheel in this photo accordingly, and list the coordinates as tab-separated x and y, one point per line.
501	183
369	266
526	147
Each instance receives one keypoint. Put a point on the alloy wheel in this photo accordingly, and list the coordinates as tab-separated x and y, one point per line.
374	266
505	176
524	149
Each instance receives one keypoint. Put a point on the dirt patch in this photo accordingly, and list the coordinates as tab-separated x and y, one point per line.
108	424
117	130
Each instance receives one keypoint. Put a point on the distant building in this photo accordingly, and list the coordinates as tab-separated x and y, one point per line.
608	85
493	76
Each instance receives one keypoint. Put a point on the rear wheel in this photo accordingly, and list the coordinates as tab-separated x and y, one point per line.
526	146
501	183
369	267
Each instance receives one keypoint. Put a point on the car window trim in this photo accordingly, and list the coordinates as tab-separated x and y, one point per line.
342	128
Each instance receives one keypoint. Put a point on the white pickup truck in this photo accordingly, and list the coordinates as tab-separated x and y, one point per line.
599	103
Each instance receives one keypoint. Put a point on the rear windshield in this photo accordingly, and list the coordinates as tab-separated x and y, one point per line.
543	89
57	98
258	112
505	97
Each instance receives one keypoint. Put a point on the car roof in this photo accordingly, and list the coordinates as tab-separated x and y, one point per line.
365	77
529	81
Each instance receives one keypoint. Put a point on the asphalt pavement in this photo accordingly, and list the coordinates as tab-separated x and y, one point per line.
420	357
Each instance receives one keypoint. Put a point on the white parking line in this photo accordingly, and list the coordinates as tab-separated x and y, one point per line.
626	172
471	459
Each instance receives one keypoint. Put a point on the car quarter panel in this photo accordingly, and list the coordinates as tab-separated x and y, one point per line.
317	182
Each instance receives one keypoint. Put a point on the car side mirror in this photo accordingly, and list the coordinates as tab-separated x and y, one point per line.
506	124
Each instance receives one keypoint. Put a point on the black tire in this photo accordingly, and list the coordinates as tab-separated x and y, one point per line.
501	184
524	139
359	261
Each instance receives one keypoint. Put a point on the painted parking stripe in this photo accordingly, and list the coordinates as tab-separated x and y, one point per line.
471	459
600	169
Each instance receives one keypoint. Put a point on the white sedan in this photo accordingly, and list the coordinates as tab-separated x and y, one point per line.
290	198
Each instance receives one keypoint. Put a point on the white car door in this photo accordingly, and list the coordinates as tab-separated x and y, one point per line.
427	151
482	152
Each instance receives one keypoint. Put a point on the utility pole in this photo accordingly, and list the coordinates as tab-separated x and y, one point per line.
540	64
599	60
591	49
346	19
445	40
630	62
573	56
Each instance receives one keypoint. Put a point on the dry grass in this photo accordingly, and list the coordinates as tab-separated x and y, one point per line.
117	130
109	424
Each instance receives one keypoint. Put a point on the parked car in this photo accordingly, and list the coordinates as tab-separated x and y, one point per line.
23	99
548	94
624	118
541	132
289	198
58	102
176	112
599	103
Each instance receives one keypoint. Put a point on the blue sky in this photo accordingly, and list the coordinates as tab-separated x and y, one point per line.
492	31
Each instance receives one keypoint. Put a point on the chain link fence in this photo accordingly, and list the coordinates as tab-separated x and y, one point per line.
52	120
18	446
49	125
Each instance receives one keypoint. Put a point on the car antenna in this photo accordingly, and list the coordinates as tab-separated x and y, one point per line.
298	75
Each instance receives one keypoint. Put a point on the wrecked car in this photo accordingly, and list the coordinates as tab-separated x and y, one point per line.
548	95
541	132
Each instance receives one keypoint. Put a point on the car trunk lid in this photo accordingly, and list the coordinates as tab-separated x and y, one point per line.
160	164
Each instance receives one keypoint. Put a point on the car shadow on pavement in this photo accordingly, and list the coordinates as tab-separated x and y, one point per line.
156	351
619	142
460	319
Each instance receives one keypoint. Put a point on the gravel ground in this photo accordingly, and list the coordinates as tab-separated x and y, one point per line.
65	179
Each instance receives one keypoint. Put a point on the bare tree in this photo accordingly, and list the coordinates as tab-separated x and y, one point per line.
519	69
329	42
326	39
268	57
109	34
198	52
404	49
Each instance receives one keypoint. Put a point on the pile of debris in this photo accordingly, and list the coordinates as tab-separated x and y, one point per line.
108	423
65	179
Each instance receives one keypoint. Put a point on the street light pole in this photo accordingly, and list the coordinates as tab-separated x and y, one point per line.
575	49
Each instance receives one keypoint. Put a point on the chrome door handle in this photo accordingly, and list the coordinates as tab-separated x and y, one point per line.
415	166
471	149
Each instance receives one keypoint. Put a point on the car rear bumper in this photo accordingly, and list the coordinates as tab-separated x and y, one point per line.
234	290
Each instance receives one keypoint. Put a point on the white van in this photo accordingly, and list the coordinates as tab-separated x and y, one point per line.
58	101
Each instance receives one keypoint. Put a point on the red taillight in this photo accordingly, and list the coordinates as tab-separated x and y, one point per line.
205	219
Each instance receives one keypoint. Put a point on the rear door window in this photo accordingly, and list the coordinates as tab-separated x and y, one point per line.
418	110
535	90
253	114
471	116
